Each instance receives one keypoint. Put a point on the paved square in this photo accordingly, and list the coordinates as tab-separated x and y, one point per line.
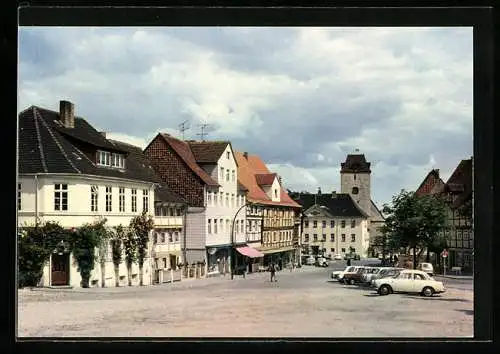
303	303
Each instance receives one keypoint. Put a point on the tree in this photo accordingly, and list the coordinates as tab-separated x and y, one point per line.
103	236
142	226
116	250
85	241
413	221
129	246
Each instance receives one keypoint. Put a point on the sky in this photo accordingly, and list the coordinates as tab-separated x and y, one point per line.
301	98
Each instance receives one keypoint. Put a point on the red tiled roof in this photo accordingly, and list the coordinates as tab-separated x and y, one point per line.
265	179
248	168
183	150
207	151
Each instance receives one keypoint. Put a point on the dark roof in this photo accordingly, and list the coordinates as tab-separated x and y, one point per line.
355	163
340	204
265	179
460	182
44	147
166	195
207	151
184	151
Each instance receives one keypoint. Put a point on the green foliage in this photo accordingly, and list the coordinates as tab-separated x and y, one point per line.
129	247
413	221
117	244
35	245
85	241
141	226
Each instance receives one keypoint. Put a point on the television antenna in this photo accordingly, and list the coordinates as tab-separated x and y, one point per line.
204	130
183	127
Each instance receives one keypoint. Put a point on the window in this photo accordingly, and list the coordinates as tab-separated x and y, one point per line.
164	263
227	175
221	197
315	224
209	198
343	237
162	237
353	237
221	223
178	211
19	196
353	223
315	237
209	226
145	200
170	239
232	200
343	250
176	236
342	224
324	238
109	194
404	276
227	199
228	155
242	226
237	226
275	193
222	173
306	223
355	190
60	196
332	237
121	199
233	175
134	200
105	158
227	225
323	224
155	238
215	226
419	276
353	250
332	250
306	238
332	223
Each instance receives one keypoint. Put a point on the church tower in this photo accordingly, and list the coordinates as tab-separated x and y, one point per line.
355	180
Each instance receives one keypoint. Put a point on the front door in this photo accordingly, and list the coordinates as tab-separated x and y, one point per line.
60	269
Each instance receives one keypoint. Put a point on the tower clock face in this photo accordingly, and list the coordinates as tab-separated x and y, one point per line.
355	190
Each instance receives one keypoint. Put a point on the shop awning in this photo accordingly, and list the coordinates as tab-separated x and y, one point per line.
249	252
278	250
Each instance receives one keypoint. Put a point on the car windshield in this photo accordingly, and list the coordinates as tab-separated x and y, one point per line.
350	269
395	275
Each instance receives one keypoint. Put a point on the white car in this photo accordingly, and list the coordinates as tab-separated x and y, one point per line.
426	267
339	274
368	275
409	281
337	257
310	260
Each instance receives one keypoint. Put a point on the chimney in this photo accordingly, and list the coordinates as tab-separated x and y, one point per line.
279	180
319	190
334	194
245	155
103	134
437	171
67	114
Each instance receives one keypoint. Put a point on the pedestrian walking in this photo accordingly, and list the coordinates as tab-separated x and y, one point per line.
272	270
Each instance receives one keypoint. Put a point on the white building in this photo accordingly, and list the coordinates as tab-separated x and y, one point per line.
205	174
71	174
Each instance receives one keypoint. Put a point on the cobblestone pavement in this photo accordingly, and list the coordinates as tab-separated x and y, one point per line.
303	303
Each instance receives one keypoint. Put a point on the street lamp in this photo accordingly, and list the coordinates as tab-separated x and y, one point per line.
233	253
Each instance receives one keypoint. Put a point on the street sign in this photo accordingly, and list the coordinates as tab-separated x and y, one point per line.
444	254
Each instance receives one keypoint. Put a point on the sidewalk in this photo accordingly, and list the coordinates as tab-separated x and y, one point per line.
453	276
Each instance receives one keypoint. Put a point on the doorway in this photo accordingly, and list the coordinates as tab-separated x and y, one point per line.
60	269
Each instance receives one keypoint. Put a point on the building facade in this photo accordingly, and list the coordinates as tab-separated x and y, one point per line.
333	224
169	237
271	216
71	174
205	175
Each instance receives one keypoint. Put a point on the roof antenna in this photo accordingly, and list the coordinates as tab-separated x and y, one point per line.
356	150
183	127
203	132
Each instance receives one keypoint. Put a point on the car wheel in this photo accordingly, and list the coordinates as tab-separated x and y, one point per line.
352	282
384	290
428	291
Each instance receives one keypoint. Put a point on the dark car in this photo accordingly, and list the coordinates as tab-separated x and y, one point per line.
354	278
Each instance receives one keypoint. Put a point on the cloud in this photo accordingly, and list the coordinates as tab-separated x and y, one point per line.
301	98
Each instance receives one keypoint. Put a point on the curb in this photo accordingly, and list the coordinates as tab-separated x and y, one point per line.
463	277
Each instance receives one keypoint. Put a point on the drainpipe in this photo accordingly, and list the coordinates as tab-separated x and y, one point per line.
184	220
36	198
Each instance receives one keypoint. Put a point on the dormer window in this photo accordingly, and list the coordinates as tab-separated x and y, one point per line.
105	158
275	193
228	155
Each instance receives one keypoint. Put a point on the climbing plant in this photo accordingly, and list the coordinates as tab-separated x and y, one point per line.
35	245
129	247
85	241
142	226
117	250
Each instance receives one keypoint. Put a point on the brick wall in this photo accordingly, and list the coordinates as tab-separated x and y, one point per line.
174	172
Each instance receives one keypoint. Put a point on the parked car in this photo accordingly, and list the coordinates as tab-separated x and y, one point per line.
385	273
337	257
369	273
426	267
354	277
321	262
409	281
310	260
339	274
